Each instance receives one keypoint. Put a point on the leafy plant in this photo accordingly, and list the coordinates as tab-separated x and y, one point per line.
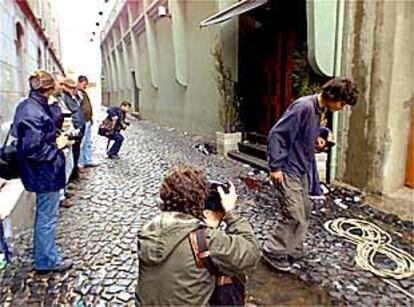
229	101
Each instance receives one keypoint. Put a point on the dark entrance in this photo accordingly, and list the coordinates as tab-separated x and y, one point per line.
268	39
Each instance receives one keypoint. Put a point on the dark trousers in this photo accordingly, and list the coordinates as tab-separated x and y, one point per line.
76	149
293	222
116	147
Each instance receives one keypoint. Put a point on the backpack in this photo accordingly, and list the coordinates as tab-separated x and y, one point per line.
228	291
8	161
105	128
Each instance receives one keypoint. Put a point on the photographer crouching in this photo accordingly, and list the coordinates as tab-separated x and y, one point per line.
41	165
116	117
183	258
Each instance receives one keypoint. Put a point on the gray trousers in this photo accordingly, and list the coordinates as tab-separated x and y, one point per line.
296	207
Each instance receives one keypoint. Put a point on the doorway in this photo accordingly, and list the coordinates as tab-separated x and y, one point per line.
268	39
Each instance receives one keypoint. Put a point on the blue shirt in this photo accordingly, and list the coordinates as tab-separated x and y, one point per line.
291	141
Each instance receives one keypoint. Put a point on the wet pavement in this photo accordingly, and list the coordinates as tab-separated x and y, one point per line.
100	234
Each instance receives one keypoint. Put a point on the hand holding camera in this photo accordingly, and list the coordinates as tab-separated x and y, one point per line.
228	196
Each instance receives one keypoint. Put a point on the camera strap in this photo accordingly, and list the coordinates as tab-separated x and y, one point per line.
201	252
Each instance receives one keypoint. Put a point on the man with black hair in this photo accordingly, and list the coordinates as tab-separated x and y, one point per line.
290	150
85	159
117	116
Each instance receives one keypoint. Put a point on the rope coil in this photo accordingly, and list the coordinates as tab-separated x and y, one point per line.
371	240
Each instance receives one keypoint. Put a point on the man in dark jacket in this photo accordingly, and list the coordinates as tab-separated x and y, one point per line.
85	159
42	167
290	150
78	121
117	116
169	274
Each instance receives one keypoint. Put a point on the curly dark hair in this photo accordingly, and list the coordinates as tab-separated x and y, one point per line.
184	189
340	89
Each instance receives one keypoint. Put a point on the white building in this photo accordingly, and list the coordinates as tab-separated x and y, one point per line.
29	40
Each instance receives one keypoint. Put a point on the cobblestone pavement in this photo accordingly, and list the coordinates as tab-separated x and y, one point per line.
100	232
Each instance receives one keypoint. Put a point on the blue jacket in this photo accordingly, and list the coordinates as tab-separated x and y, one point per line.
291	142
116	112
77	114
41	164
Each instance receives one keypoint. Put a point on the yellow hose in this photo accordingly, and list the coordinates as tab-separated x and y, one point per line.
370	240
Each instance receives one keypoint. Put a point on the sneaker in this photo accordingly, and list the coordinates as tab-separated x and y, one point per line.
278	262
310	258
64	265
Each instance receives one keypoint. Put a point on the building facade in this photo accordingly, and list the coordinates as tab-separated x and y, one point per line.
156	54
29	40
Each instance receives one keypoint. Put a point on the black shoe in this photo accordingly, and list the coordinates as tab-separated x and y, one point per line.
91	165
65	203
113	157
64	265
278	262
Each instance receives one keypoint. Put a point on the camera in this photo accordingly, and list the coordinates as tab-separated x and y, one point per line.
213	200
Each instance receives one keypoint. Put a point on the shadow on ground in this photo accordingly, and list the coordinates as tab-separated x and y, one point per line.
269	287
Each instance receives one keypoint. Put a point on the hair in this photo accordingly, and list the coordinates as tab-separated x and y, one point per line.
41	81
82	78
184	189
125	103
340	89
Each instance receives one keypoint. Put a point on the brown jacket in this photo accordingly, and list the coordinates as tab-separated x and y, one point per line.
168	275
85	104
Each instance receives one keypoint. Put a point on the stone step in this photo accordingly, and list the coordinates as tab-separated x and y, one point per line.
255	150
255	137
248	159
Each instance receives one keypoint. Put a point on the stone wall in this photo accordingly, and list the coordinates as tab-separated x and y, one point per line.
379	55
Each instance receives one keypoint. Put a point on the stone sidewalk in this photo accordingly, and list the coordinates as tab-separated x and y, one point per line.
100	234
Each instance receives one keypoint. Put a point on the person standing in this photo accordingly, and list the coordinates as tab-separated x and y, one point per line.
78	120
291	148
65	126
117	116
42	167
85	159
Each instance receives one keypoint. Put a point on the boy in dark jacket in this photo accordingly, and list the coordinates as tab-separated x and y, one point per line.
290	151
42	167
117	117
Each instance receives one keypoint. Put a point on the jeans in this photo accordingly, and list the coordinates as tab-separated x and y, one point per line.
118	140
44	245
86	146
68	169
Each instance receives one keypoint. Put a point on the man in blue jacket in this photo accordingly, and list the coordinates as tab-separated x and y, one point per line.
290	150
117	117
42	167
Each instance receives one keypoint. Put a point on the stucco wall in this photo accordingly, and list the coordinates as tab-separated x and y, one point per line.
380	58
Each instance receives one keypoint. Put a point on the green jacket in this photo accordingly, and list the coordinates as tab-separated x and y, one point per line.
167	270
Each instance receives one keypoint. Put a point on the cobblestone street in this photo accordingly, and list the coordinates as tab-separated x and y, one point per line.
100	234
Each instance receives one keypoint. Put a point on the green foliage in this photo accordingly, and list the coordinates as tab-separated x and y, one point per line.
304	81
229	103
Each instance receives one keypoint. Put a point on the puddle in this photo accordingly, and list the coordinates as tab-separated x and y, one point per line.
268	287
